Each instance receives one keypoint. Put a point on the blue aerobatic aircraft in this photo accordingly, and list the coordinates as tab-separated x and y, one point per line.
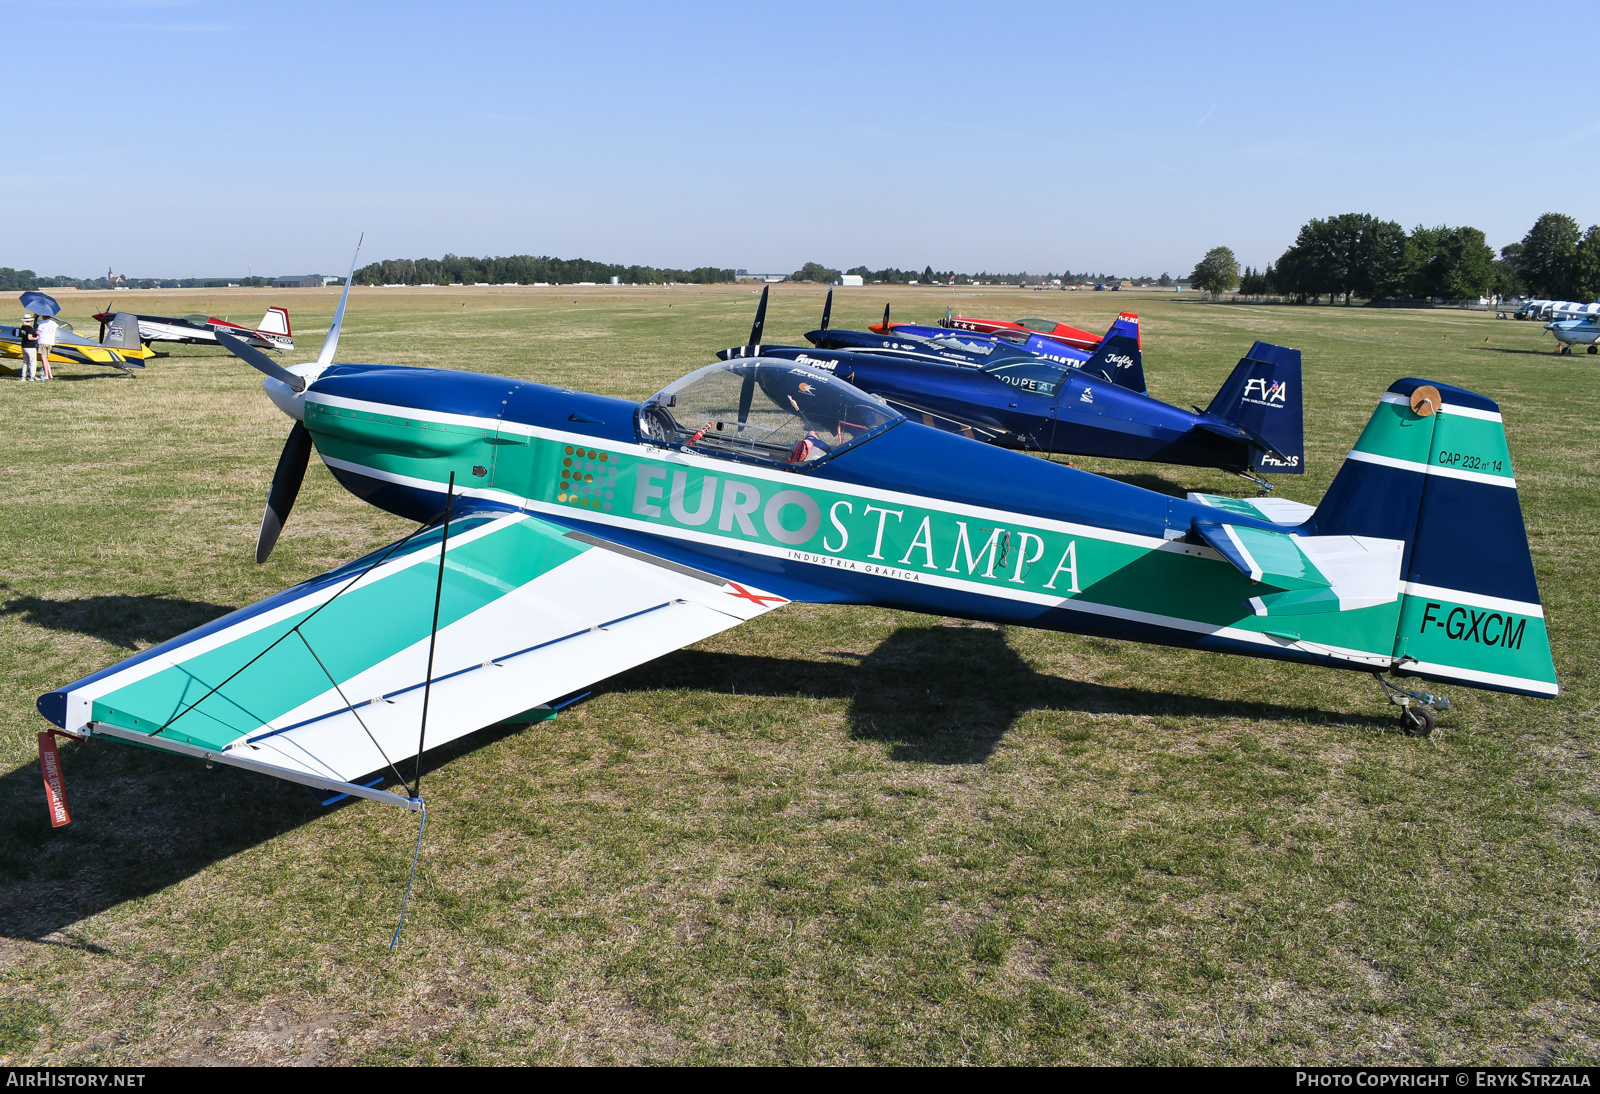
942	345
563	537
1015	399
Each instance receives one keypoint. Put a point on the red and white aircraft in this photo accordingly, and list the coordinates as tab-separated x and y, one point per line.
200	329
1061	332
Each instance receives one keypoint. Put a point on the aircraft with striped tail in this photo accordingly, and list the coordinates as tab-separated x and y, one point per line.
564	537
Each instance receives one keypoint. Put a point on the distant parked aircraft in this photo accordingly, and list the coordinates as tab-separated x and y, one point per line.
1584	331
200	329
118	347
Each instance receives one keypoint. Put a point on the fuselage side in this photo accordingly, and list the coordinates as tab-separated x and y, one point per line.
914	518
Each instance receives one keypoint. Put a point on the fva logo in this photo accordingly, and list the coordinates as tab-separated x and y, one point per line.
1267	393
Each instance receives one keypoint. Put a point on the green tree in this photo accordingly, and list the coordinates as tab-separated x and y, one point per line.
1449	263
1378	267
815	271
1549	253
1165	282
1508	271
1586	267
1217	272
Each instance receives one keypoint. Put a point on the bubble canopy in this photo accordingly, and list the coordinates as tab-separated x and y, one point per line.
773	411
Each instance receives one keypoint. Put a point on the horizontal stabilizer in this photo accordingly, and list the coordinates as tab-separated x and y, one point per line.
1234	432
1313	573
1277	510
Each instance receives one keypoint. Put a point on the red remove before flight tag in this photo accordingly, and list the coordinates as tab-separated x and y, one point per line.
55	790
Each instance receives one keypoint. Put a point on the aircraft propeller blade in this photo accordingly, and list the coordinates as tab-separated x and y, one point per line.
107	311
331	343
286	482
827	308
761	320
260	361
886	319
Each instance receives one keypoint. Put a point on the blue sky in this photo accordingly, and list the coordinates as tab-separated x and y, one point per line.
200	138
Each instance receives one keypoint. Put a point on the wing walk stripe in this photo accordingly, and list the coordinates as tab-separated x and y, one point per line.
497	662
643	556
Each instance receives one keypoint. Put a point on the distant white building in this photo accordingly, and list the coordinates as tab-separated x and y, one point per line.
850	281
305	281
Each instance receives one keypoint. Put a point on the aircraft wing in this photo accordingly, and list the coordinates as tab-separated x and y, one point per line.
1312	574
323	683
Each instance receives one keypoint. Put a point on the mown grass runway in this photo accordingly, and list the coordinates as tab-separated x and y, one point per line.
832	835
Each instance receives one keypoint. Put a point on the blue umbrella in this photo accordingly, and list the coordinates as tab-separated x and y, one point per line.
40	304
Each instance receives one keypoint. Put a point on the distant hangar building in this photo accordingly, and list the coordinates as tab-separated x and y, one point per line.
304	281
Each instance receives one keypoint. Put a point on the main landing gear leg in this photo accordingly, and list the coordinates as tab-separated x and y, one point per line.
1417	709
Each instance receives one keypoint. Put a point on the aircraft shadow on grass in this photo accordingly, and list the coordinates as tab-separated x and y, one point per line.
128	622
146	820
1546	352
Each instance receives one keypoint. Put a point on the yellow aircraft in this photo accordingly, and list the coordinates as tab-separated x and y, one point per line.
121	348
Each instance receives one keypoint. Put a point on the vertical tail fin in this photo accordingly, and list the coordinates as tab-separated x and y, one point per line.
121	332
1262	395
1118	357
276	321
1432	469
1130	317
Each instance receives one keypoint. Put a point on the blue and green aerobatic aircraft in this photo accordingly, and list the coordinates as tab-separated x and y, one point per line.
564	537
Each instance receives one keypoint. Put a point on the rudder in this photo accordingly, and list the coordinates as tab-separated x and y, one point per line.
1263	395
276	321
1432	468
1118	357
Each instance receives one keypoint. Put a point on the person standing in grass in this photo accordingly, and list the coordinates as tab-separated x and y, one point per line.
29	336
47	342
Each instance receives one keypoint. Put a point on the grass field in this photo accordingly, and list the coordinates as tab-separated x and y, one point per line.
832	835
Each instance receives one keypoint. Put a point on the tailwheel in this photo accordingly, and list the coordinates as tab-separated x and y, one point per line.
1417	721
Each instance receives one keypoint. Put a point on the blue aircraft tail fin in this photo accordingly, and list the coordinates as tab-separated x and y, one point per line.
1432	469
1262	396
1118	357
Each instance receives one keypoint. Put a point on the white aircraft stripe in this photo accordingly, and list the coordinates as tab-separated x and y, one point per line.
709	463
1451	672
1476	600
1450	408
1249	559
1431	469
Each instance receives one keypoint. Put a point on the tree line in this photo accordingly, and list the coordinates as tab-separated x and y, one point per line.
1357	255
525	270
14	280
